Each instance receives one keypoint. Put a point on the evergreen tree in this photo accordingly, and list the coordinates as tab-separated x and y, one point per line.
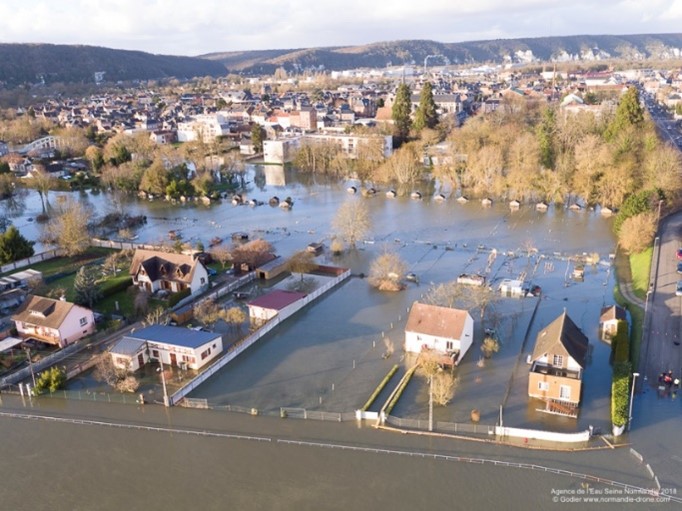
628	113
257	138
13	246
402	108
545	133
426	116
86	288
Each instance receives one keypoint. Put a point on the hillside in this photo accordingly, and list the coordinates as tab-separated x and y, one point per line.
526	50
33	63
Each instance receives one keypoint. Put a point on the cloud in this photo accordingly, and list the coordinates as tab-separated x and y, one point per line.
203	26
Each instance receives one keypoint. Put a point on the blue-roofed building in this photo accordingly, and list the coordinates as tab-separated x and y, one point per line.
172	345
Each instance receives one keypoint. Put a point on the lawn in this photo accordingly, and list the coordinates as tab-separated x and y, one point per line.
640	266
66	264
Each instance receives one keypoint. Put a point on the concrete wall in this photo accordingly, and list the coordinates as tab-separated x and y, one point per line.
551	436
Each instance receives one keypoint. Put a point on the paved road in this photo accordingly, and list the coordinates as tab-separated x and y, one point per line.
661	349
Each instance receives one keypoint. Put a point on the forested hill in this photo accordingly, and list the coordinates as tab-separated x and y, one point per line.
50	63
586	48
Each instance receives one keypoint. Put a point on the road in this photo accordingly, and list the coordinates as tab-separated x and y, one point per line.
660	349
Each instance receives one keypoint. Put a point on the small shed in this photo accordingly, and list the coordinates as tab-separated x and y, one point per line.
609	319
272	269
315	248
183	314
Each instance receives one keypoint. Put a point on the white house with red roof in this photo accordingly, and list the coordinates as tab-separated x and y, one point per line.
277	302
444	330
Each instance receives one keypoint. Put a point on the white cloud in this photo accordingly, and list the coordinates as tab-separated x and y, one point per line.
202	26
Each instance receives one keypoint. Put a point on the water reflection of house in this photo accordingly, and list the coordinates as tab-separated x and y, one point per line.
53	321
557	364
174	346
274	175
152	271
446	331
512	287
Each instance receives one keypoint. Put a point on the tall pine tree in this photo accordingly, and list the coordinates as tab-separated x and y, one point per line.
13	246
426	115
402	108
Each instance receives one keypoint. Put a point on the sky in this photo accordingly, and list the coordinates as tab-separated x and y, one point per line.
196	27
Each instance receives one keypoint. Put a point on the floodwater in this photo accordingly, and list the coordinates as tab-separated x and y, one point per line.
67	466
330	356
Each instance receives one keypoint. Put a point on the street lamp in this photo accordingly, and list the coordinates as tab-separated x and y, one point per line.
163	381
632	397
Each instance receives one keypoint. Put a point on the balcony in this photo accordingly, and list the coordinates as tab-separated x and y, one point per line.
559	372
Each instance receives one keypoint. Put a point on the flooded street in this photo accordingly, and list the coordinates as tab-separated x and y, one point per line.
164	465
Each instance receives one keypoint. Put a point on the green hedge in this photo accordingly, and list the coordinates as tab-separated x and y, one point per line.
379	388
620	393
176	297
113	286
620	344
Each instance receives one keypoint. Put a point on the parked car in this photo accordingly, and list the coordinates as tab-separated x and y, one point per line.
679	254
679	267
678	290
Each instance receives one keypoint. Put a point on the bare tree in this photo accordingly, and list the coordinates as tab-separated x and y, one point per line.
253	253
352	221
490	345
234	316
444	386
43	182
68	228
157	316
141	302
222	254
462	296
637	232
207	312
387	271
302	262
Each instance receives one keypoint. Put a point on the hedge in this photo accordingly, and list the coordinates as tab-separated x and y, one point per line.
379	388
176	297
620	393
113	286
620	344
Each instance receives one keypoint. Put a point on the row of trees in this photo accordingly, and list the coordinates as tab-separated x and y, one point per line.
526	150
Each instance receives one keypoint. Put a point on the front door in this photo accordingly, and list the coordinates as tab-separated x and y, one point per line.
174	360
140	359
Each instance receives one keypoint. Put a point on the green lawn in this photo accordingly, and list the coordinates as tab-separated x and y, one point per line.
63	264
640	267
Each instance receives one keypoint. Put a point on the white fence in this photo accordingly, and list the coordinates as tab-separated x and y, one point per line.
23	263
536	434
252	339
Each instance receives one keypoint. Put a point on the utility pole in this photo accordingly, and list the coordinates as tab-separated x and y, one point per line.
431	403
30	364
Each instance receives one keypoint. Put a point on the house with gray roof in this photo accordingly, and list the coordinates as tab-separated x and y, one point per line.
557	365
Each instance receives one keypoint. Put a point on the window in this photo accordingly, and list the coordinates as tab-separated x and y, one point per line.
205	354
448	345
543	385
155	353
558	361
565	392
83	321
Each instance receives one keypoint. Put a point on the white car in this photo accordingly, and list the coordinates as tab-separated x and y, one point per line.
678	290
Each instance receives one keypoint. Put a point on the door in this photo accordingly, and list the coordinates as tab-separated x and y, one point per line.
565	392
140	359
173	359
